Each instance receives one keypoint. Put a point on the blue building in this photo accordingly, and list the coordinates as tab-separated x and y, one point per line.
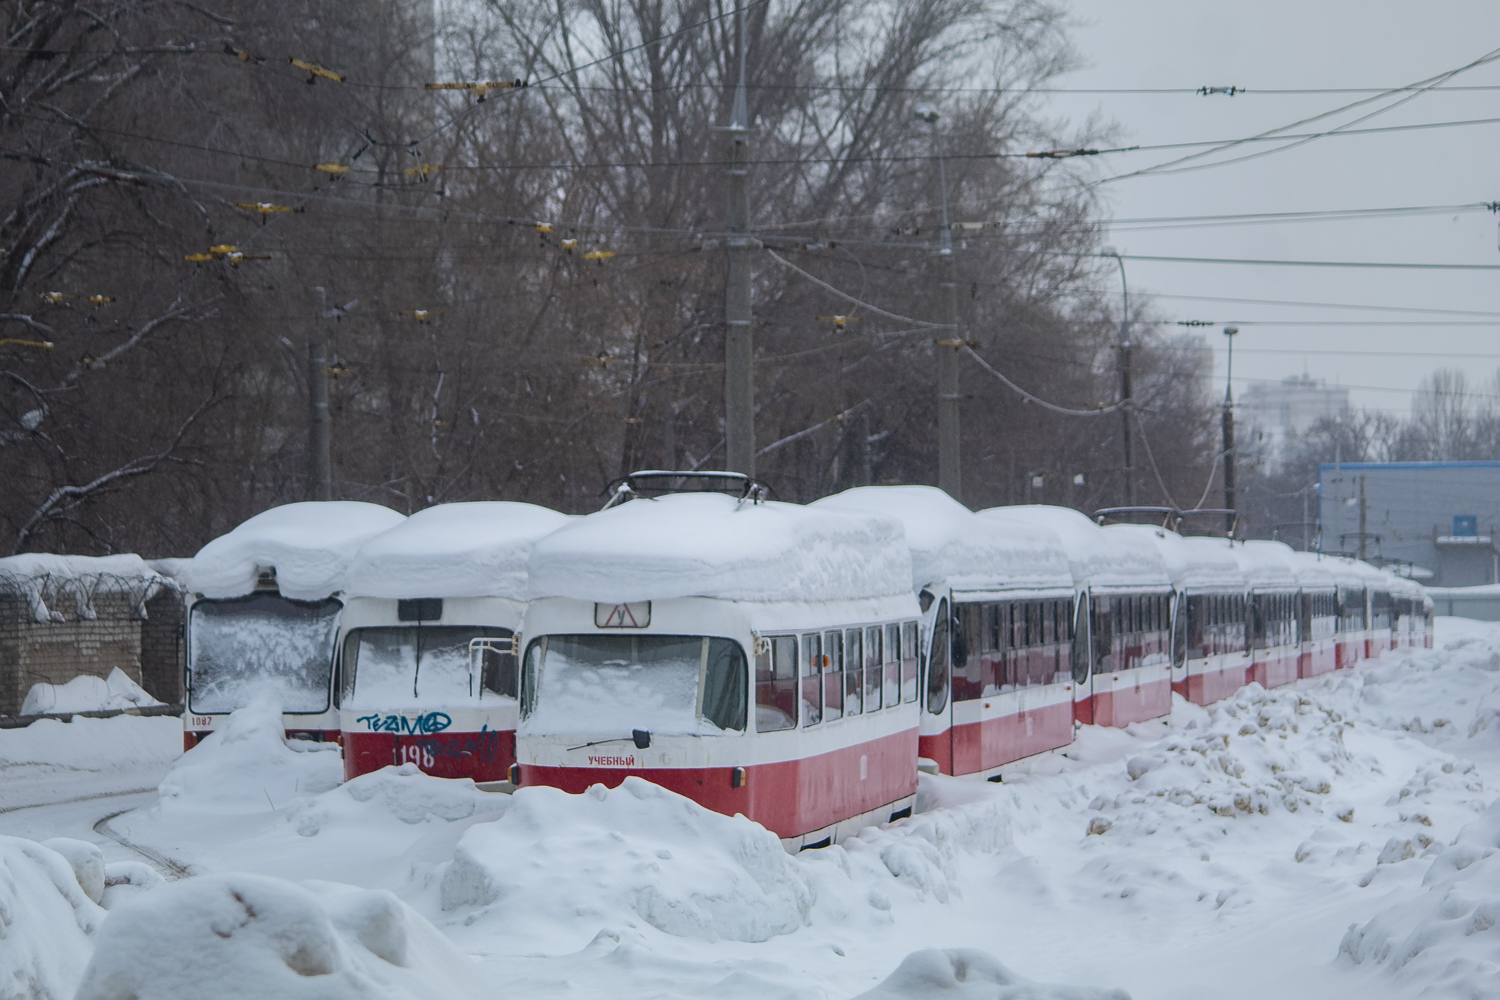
1440	518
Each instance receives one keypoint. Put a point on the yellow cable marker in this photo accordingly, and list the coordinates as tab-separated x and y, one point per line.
100	300
544	228
422	315
600	255
568	245
222	249
838	320
423	170
315	70
263	207
55	297
481	90
198	258
336	169
44	344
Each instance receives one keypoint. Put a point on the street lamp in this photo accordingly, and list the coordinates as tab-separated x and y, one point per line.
1229	493
1126	391
949	478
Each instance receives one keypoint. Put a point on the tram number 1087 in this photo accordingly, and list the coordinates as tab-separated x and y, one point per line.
415	753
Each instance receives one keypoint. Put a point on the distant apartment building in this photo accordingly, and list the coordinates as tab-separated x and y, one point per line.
1441	518
1281	411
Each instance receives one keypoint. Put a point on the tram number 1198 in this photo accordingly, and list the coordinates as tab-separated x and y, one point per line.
415	753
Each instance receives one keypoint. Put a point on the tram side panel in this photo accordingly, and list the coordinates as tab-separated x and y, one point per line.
1216	642
1132	678
1276	652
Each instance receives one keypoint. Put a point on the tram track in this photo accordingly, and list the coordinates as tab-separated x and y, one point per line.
170	870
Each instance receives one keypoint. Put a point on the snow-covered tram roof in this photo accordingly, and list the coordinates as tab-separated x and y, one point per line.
1193	562
1096	558
951	544
476	549
1267	564
309	545
1313	571
712	545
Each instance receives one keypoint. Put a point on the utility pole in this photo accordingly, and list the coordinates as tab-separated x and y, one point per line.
1364	510
1230	498
950	470
1127	390
739	337
319	434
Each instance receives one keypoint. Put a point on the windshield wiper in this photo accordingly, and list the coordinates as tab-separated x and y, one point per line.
641	737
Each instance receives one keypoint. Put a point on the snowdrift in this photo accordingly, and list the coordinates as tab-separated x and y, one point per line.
392	796
251	936
46	918
86	693
1445	940
248	765
563	865
970	974
121	743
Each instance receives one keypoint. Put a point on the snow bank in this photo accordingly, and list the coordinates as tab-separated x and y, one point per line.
393	795
308	544
44	578
86	693
120	743
711	545
1268	565
251	936
1445	939
970	974
563	867
46	921
453	550
1100	559
951	543
249	766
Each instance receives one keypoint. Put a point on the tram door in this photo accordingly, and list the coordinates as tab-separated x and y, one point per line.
1081	657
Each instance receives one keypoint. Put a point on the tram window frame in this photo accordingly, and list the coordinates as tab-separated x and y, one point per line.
874	669
854	672
891	648
775	675
911	662
833	674
811	679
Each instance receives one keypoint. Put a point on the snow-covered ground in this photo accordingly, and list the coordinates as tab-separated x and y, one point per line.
1337	838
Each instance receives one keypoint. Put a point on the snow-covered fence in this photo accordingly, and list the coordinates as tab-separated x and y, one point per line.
67	616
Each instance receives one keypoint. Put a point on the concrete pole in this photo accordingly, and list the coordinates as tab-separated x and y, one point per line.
319	433
1127	388
1230	497
739	336
1364	511
950	470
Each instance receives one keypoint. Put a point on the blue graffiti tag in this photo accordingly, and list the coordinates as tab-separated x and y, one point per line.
484	745
432	722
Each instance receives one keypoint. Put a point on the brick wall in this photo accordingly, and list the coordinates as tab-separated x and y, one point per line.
163	650
56	652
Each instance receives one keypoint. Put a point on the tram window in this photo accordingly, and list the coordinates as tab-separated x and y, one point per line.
833	675
874	669
239	644
854	671
1049	622
724	692
409	666
938	661
497	670
776	685
910	661
892	651
812	680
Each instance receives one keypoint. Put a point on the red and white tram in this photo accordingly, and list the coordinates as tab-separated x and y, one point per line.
1209	651
1000	599
1317	615
1352	611
1411	614
427	670
1272	619
263	611
1125	637
760	658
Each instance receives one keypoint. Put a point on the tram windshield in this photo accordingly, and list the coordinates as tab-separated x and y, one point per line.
608	685
242	645
416	666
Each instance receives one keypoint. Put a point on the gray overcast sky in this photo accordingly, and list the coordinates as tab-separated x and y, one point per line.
1306	43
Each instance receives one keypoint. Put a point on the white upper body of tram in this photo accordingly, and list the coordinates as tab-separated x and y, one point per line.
1209	652
1123	583
427	671
1317	614
760	658
263	609
999	610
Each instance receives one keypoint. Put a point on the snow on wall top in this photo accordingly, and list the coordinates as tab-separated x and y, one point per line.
711	545
1267	564
453	550
951	543
44	579
1097	558
1195	562
310	545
